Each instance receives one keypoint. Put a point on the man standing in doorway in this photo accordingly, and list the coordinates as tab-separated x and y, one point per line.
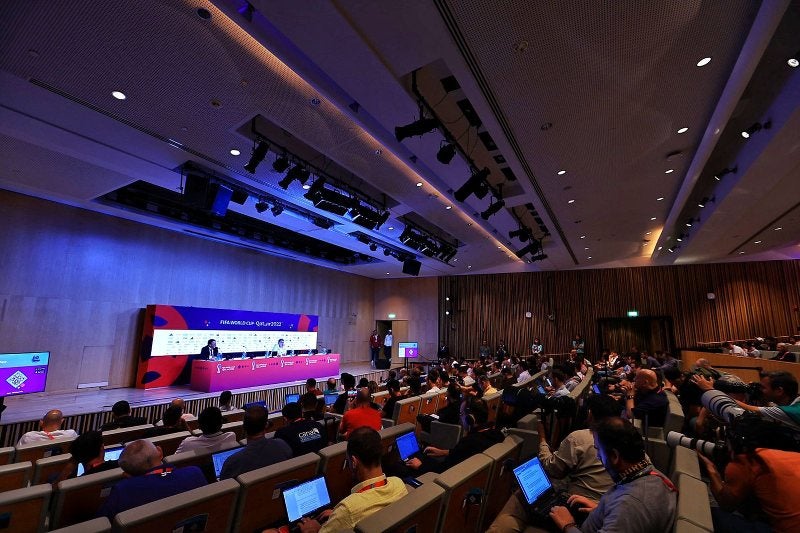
374	347
387	346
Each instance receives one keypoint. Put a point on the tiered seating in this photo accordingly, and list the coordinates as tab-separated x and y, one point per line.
98	525
78	499
15	475
121	435
25	510
333	466
419	511
169	442
47	469
493	406
504	456
6	455
466	488
37	450
406	410
694	511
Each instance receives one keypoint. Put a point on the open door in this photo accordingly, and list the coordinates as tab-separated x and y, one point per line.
647	333
399	334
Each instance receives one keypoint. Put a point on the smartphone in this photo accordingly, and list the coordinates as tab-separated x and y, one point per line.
596	389
414	482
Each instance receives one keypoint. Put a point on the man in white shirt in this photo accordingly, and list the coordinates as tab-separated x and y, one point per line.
733	349
525	375
50	429
279	348
433	381
388	340
213	438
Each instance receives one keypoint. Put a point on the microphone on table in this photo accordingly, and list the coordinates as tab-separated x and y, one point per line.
244	353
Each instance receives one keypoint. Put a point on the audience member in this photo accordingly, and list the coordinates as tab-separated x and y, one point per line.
313	407
330	385
121	413
359	415
433	381
89	451
178	402
642	499
393	388
349	383
559	388
149	479
311	386
259	452
644	399
171	422
225	400
50	428
752	351
213	438
784	354
302	435
464	377
486	385
733	349
524	374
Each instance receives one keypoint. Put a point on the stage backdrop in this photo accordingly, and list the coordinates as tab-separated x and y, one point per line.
171	334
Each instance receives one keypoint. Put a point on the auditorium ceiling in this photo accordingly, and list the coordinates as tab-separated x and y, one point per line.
602	134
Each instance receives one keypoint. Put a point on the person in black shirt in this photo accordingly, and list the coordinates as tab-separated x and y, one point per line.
173	423
121	411
393	386
349	383
302	435
87	449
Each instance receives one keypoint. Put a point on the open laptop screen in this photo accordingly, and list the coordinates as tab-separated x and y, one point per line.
219	458
306	498
532	479
407	445
292	398
111	453
330	398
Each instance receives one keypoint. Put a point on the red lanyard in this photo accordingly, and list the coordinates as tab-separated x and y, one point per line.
380	483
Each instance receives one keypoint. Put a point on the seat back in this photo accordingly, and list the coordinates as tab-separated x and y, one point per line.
504	456
406	410
693	504
6	455
684	461
493	405
200	458
389	436
675	416
79	499
429	404
276	421
333	465
118	436
192	422
465	486
443	435
15	475
25	510
234	415
208	508
97	525
260	503
236	427
380	398
37	450
48	469
418	511
169	442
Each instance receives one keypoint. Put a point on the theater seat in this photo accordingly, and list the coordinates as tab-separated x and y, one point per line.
466	486
684	461
693	504
169	442
493	406
504	456
442	435
48	469
419	511
333	466
98	525
406	410
37	450
529	422
121	435
6	455
79	499
15	475
530	442
208	508
260	504
25	510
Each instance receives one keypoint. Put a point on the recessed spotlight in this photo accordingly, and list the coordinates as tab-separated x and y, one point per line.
234	151
703	62
589	257
648	233
583	236
390	228
669	171
688	224
741	252
419	184
683	130
449	207
499	247
793	62
387	273
586	248
562	172
652	218
119	95
756	242
469	266
660	248
571	201
778	228
659	198
306	186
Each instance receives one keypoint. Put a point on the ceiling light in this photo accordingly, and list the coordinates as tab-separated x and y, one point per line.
446	153
758	126
705	201
476	185
306	186
669	171
258	155
570	201
449	207
778	228
683	130
298	173
725	171
688	224
660	248
417	128
119	95
741	252
648	233
234	151
793	61
671	250
387	273
583	236
419	184
390	227
703	62
756	242
659	198
262	206
589	257
652	218
280	164
679	239
562	172
586	248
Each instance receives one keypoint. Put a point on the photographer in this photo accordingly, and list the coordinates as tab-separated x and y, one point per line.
759	482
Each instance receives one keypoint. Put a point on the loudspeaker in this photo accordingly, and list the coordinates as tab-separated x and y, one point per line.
411	266
196	190
383	364
239	197
219	196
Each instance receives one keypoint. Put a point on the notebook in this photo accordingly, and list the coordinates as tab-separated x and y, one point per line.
219	458
407	445
306	499
111	453
330	397
292	398
536	487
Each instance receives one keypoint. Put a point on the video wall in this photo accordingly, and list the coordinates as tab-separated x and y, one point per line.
173	336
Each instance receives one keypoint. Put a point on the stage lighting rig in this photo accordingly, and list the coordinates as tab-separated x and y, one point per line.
298	173
417	128
261	206
476	185
533	248
257	156
522	233
446	153
280	164
758	126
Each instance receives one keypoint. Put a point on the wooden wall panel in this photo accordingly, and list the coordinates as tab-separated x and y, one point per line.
414	300
73	278
752	299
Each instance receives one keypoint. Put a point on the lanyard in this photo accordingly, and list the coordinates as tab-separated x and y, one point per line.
380	483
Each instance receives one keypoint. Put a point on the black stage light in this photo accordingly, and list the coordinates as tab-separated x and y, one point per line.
280	164
724	172
262	206
532	248
476	185
756	128
296	173
277	209
258	155
522	233
407	235
373	247
492	209
446	153
418	127
328	199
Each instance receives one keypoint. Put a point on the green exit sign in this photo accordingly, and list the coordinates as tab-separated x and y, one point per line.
633	313
392	315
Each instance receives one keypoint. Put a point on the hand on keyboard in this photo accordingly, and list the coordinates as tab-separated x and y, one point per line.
581	504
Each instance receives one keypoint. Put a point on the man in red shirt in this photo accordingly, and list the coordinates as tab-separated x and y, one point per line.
374	346
360	413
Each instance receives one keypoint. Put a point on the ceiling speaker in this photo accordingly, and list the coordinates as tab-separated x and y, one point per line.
411	267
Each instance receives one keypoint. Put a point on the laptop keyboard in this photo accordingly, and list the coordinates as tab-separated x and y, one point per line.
542	506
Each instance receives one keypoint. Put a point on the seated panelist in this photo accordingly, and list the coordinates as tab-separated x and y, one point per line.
279	349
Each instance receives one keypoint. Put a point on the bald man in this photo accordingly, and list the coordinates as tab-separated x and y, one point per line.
645	400
50	428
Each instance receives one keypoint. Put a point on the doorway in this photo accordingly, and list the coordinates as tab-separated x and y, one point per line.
647	333
399	333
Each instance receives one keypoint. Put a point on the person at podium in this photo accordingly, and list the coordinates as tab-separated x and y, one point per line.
209	351
279	349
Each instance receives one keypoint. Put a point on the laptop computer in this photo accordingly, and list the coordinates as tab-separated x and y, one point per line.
292	398
218	459
537	489
262	403
306	499
407	445
330	397
111	453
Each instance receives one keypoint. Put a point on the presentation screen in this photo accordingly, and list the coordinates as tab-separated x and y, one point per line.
409	350
186	330
23	373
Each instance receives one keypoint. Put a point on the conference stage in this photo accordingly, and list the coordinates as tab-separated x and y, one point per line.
213	376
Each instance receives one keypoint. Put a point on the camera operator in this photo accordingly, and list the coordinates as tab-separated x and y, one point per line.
779	388
732	386
760	483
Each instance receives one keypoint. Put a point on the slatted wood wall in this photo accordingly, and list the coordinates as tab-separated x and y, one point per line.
74	283
752	299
